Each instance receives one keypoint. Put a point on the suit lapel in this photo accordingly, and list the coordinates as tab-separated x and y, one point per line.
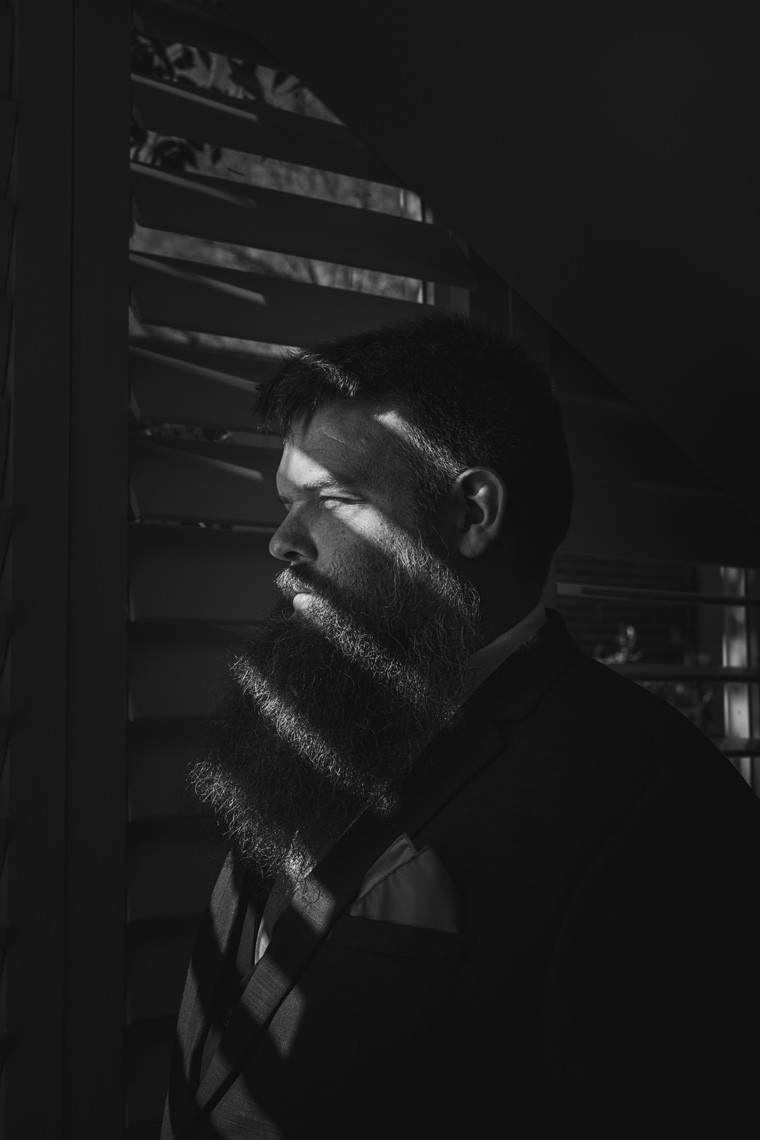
453	761
331	890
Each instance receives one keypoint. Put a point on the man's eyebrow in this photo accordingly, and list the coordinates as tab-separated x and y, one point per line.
332	480
345	480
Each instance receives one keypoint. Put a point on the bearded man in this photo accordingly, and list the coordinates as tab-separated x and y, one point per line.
477	882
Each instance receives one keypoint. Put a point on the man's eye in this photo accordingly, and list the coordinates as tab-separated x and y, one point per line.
331	501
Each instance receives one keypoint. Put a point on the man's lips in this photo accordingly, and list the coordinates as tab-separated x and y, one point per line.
290	584
304	589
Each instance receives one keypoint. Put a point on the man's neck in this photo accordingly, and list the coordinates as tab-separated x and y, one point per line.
487	659
506	613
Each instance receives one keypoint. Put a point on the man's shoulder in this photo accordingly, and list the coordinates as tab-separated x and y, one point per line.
624	713
598	695
591	753
587	726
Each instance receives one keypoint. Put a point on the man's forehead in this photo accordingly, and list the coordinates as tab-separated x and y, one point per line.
356	438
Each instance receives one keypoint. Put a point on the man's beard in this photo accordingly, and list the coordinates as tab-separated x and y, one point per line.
327	712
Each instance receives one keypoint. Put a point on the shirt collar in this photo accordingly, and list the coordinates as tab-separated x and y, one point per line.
486	660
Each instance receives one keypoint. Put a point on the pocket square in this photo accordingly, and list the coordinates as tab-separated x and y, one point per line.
409	887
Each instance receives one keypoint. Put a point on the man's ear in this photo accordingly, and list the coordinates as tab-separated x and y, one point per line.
476	505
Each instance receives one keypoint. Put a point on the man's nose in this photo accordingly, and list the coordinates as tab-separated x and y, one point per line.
291	542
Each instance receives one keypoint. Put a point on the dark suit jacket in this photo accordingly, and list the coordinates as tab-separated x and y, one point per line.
604	983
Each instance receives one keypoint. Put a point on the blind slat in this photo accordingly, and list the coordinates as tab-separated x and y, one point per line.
199	574
176	21
738	746
159	752
643	594
196	297
249	366
708	674
178	671
255	129
206	483
295	224
172	390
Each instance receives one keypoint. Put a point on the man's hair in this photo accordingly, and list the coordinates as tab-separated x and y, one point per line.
471	396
